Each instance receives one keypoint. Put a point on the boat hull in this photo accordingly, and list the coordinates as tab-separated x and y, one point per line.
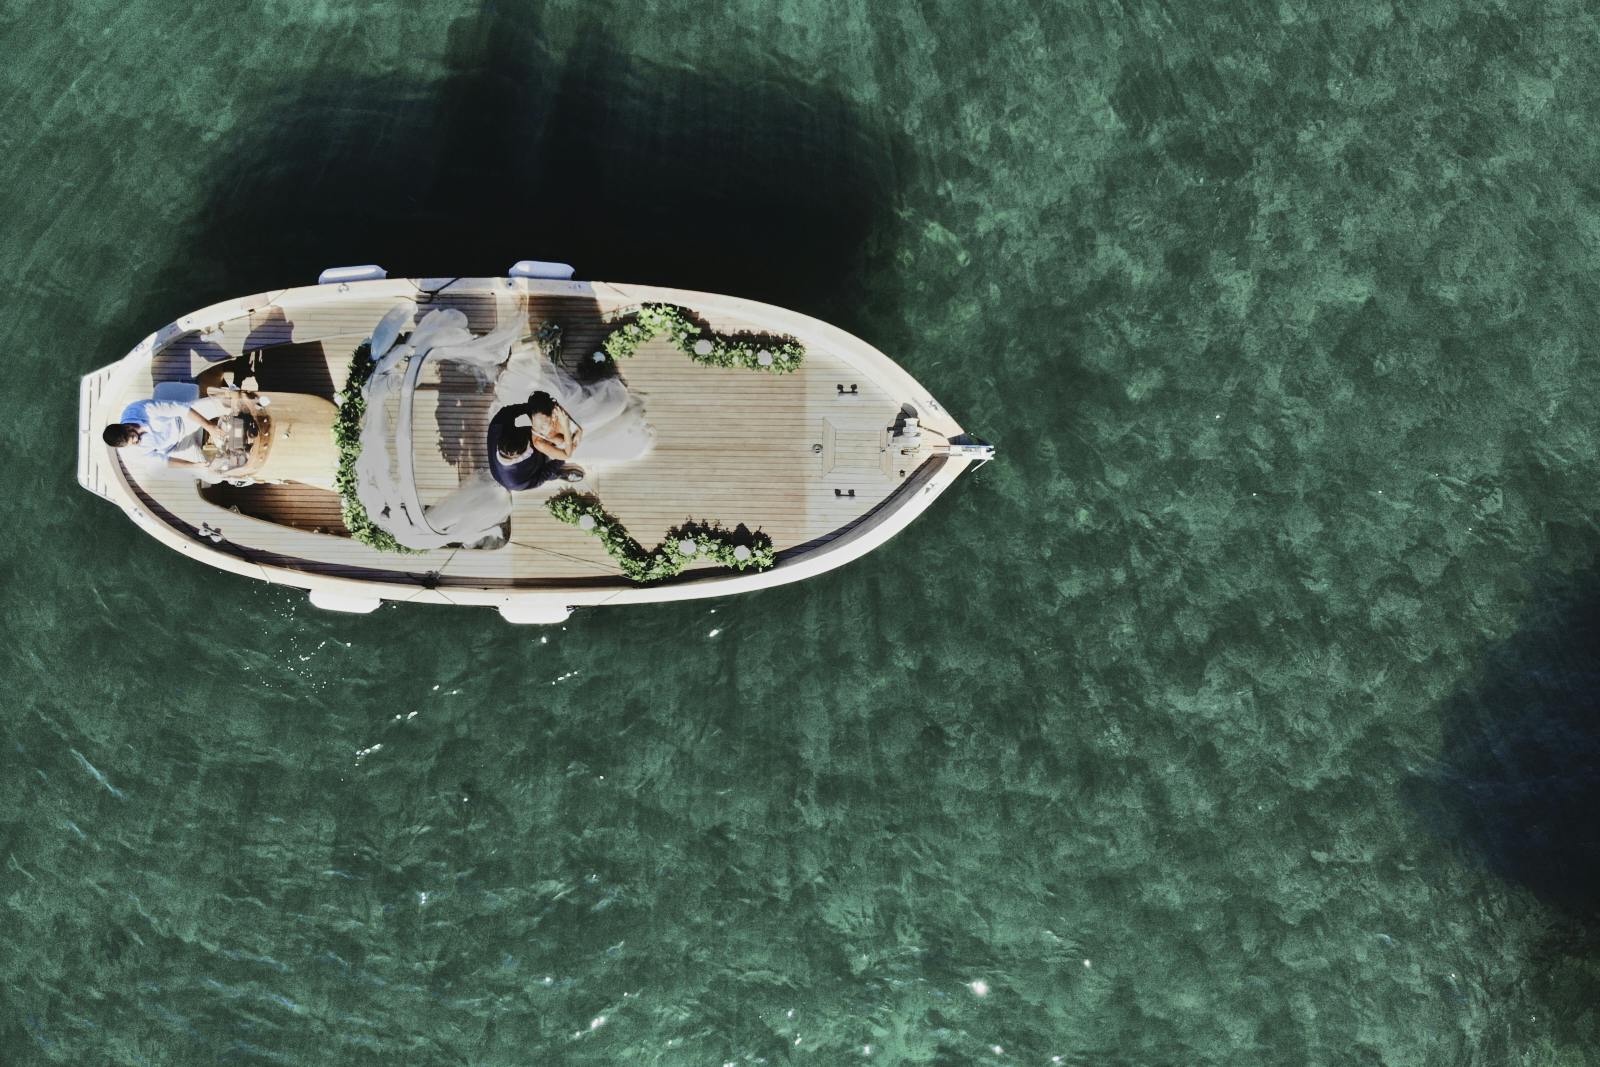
810	459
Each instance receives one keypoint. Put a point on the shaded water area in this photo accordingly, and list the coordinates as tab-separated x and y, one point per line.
1243	712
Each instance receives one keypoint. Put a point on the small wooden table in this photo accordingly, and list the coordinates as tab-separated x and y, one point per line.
292	439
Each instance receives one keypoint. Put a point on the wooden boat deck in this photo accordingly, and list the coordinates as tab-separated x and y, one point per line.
777	453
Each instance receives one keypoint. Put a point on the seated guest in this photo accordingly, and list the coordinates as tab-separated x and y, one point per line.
529	442
164	430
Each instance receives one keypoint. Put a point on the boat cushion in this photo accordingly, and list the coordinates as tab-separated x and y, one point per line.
176	392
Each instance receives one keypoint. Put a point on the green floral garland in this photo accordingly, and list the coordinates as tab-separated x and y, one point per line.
667	559
347	439
775	355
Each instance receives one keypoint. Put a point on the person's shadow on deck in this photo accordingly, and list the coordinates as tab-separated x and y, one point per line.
293	366
462	418
268	354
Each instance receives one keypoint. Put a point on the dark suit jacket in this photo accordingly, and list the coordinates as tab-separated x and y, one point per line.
525	473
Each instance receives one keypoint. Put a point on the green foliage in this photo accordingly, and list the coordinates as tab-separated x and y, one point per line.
666	560
347	439
548	338
711	349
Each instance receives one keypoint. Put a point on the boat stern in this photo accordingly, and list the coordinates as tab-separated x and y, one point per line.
94	458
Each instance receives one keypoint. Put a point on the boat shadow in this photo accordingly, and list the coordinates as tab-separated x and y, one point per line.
1518	780
544	142
738	178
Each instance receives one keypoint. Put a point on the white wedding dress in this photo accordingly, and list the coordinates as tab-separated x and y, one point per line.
613	423
612	419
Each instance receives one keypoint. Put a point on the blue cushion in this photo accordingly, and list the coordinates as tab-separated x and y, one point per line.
177	392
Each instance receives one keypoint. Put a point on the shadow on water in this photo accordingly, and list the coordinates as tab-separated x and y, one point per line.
1519	778
751	183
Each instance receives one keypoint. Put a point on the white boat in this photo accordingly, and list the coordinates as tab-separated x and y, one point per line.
782	446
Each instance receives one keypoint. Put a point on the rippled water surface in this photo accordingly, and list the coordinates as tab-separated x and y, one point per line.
1246	712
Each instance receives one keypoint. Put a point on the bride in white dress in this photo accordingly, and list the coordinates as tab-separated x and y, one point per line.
612	421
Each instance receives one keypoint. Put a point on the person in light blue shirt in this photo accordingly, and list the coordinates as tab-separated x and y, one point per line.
164	430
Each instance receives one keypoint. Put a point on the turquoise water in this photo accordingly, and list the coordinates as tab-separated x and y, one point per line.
1244	713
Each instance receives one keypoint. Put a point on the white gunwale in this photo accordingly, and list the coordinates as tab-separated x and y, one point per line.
103	392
